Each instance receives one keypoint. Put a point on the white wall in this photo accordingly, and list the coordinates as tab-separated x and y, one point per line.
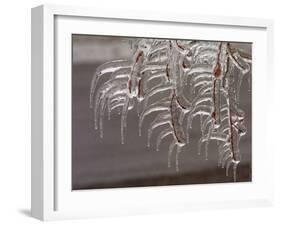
15	111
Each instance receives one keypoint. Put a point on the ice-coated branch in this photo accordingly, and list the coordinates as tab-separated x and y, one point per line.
176	81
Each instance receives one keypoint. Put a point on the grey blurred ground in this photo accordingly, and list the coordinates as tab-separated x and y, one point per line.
106	163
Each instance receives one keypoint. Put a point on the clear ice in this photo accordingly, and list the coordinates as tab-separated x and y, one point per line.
178	80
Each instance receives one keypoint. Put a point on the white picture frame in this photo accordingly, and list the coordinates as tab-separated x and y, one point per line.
52	197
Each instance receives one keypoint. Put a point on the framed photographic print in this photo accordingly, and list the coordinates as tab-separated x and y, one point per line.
139	113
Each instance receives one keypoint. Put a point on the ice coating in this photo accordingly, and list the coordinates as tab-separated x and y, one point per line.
177	80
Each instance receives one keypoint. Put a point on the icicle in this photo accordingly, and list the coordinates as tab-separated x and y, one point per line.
235	171
206	122
206	152
124	119
179	150
208	140
217	101
97	103
182	115
219	153
201	123
161	136
108	110
139	107
116	94
140	127
105	91
102	109
132	103
226	157
197	110
162	119
108	99
249	83
114	103
104	69
227	167
152	108
171	148
199	146
224	151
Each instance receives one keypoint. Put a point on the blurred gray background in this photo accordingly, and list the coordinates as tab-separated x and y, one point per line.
106	163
